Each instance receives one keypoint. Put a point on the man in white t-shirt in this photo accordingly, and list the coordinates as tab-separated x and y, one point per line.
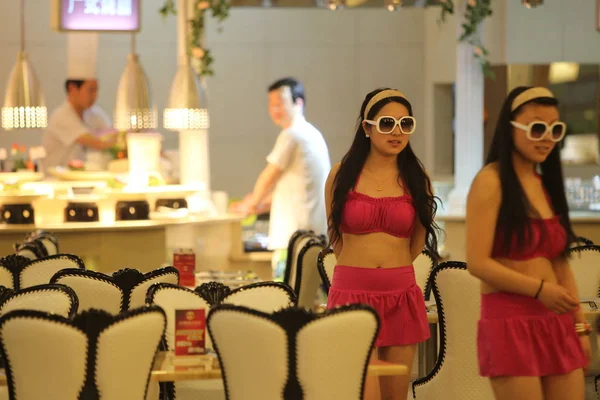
295	175
72	127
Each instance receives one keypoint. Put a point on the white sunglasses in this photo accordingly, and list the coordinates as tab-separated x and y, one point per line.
386	125
538	130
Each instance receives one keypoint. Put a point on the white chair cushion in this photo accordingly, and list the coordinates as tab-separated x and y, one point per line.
138	293
54	299
262	296
44	356
332	354
456	373
125	355
423	266
329	360
93	291
585	263
308	274
255	362
39	272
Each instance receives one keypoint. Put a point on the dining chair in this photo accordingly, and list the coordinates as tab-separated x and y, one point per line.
121	291
307	273
293	353
455	375
18	272
51	298
94	356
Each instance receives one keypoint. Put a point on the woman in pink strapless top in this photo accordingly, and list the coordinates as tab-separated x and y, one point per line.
532	337
380	211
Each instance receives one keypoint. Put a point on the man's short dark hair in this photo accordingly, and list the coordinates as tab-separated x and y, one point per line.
295	86
76	82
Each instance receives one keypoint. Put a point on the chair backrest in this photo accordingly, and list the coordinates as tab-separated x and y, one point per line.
93	353
137	297
38	244
172	297
456	373
124	290
582	241
326	264
293	353
18	272
50	298
585	264
423	266
297	241
262	296
40	271
307	273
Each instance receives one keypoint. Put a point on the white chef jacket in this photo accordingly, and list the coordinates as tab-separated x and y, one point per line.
298	197
64	127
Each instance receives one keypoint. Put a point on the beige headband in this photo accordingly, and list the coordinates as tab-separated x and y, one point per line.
530	94
384	94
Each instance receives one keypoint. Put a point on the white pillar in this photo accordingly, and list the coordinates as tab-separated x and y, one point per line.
468	132
193	158
194	162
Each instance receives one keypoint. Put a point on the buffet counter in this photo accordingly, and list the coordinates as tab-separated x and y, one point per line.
144	245
585	224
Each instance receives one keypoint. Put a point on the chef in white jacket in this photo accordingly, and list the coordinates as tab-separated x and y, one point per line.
78	129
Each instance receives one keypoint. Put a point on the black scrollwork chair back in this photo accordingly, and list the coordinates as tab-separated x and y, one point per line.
18	272
293	354
456	370
585	264
51	298
121	291
307	273
91	357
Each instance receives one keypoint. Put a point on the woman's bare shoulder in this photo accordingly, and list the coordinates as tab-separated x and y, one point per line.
487	183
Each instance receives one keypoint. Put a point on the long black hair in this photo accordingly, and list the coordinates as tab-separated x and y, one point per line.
515	209
410	170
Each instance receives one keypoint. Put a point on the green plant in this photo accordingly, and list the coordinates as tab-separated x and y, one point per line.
202	59
475	13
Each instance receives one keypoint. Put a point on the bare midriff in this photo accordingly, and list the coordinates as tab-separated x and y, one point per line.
374	250
539	268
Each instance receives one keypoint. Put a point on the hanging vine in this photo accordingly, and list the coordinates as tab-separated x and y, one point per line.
476	12
201	57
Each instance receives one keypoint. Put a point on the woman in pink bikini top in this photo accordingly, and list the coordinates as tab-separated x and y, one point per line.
380	212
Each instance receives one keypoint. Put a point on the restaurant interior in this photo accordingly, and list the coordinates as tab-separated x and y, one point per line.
137	245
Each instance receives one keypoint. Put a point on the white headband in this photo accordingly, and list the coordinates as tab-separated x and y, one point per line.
530	94
384	94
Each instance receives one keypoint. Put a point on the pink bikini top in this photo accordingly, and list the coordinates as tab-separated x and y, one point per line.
548	239
365	214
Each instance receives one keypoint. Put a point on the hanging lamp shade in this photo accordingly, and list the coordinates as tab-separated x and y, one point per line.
24	105
187	107
133	108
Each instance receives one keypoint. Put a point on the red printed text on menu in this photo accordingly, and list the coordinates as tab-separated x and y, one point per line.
190	332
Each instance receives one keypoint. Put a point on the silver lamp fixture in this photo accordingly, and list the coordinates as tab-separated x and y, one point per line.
532	3
24	104
393	5
134	110
335	5
187	107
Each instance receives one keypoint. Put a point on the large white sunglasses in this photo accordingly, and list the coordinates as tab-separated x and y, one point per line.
538	130
386	125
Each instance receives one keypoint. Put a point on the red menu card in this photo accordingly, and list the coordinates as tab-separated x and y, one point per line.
190	332
185	262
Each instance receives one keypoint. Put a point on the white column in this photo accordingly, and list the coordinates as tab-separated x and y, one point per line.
193	158
468	133
194	162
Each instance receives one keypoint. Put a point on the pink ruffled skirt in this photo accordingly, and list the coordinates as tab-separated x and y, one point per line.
518	336
392	292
